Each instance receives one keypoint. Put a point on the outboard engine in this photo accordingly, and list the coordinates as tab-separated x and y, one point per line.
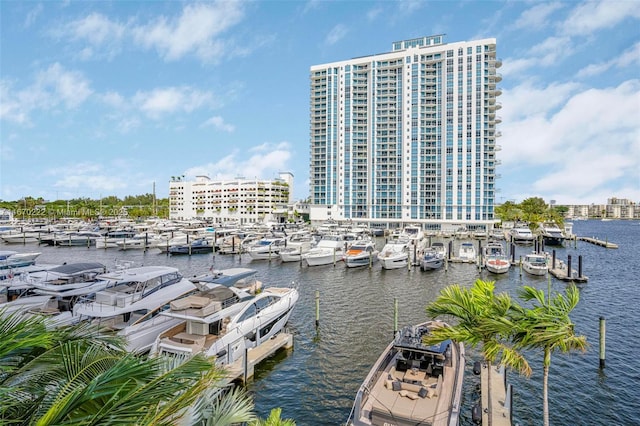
477	368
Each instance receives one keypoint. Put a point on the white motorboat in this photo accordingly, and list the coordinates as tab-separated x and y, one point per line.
412	384
521	235
131	296
362	253
111	239
80	238
330	249
394	254
551	234
267	248
21	237
535	264
73	275
141	241
298	244
496	234
467	252
495	258
440	248
13	263
53	293
10	257
224	319
431	259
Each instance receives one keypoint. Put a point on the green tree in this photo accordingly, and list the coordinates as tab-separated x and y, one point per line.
481	318
547	326
508	212
274	419
73	376
533	206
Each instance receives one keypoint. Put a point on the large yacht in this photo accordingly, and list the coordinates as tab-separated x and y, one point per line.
225	317
128	299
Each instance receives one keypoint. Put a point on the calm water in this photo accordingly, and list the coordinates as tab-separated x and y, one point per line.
316	382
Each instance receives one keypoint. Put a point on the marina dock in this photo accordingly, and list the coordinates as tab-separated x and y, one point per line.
561	272
495	396
598	242
243	368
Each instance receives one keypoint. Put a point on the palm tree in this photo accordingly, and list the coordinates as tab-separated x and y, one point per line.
547	326
75	376
274	419
482	318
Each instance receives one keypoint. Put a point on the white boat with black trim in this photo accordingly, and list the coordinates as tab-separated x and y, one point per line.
130	295
223	321
412	384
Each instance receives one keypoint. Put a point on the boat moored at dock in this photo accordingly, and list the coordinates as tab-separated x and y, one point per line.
412	384
225	318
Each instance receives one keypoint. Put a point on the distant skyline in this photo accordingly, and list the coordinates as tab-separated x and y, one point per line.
106	98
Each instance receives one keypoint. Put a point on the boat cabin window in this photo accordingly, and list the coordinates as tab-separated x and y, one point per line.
265	302
250	312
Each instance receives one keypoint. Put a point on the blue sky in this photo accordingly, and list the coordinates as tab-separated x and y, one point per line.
106	98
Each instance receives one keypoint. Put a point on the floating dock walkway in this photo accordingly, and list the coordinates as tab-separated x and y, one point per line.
244	367
598	242
561	272
496	396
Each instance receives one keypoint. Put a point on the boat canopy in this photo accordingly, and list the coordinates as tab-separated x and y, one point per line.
75	268
410	338
226	277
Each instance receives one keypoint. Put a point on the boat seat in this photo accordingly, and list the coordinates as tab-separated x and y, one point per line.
191	302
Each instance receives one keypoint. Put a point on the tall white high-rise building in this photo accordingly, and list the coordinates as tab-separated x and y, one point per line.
407	136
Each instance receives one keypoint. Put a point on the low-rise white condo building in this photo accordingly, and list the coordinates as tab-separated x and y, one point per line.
237	200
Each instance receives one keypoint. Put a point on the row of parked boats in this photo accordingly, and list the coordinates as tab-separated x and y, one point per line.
223	313
220	313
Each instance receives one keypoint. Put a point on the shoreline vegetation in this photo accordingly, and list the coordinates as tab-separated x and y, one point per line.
533	210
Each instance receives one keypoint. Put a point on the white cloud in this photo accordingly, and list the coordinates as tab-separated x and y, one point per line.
372	14
33	15
336	34
265	162
196	31
88	176
537	16
69	87
630	57
103	36
51	88
127	124
96	28
113	99
218	123
591	16
584	141
548	53
159	102
527	100
552	50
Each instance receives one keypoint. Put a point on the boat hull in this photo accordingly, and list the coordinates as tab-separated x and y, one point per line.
365	259
497	266
394	262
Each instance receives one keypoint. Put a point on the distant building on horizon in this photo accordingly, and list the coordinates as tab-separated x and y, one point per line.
407	136
237	200
616	208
